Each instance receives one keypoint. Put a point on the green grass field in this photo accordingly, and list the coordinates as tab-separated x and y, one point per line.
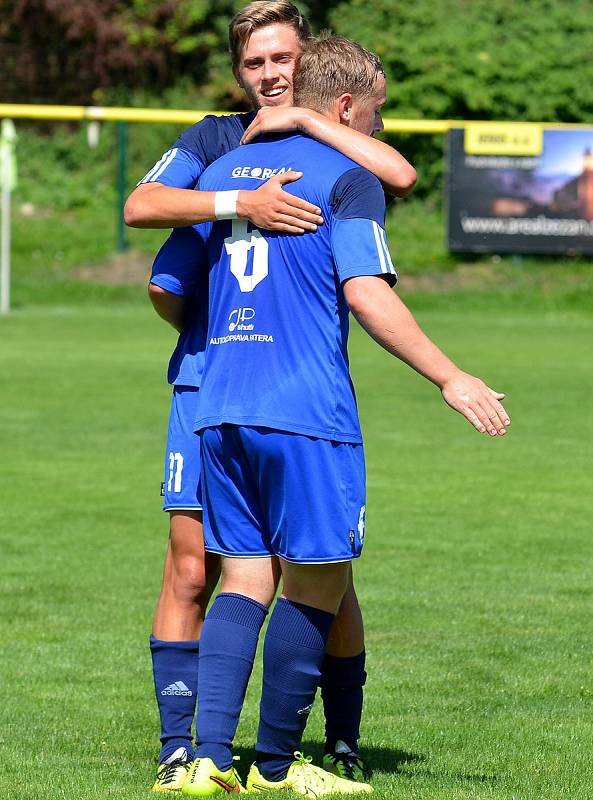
476	579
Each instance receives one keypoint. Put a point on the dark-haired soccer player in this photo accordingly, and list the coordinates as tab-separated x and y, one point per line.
265	41
282	461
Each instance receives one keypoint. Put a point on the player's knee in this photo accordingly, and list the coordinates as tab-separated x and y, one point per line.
192	583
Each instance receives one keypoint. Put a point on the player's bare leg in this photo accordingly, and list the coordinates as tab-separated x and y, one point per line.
321	586
346	637
189	577
256	578
342	679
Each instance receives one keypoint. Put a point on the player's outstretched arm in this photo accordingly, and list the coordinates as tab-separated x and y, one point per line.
396	174
154	205
389	321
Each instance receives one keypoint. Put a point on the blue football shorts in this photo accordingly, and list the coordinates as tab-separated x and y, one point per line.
267	492
182	459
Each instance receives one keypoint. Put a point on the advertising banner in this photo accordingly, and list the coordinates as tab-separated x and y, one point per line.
520	188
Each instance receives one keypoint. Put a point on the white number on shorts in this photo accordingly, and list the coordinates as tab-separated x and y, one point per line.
238	246
175	471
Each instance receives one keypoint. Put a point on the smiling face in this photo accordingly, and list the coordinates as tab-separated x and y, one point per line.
365	114
267	64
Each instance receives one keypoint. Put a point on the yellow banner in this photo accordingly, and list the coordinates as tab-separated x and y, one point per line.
503	139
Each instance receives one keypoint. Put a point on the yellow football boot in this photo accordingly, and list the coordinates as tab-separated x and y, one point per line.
305	779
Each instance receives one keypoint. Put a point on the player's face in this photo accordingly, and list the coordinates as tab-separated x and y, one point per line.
366	114
267	64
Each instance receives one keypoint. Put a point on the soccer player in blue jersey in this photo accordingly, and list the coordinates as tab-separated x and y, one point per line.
265	40
281	448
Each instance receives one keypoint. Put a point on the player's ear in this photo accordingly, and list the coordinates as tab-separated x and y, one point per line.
344	105
237	76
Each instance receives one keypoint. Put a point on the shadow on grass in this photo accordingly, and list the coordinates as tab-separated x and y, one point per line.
388	760
380	759
463	777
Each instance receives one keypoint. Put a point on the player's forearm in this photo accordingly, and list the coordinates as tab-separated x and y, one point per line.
153	205
389	321
170	307
396	174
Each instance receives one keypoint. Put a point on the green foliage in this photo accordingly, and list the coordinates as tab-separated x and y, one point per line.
58	51
477	59
484	59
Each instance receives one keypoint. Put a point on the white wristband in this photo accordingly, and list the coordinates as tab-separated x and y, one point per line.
225	205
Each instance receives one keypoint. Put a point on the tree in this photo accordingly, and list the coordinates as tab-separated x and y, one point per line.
57	51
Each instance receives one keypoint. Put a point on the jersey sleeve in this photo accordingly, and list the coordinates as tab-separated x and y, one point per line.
198	147
177	167
358	239
181	262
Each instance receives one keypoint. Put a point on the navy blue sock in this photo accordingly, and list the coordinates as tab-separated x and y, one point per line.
175	670
341	684
293	651
227	650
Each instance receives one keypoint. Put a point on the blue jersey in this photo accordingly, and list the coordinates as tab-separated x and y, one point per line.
180	265
278	321
197	148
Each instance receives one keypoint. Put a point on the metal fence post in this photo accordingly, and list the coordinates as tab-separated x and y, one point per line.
122	153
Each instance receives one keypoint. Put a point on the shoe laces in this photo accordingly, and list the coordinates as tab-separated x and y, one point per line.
348	765
309	771
302	759
169	771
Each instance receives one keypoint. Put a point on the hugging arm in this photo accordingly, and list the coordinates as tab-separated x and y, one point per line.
396	174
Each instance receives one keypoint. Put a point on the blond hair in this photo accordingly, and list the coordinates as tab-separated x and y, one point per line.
259	14
333	65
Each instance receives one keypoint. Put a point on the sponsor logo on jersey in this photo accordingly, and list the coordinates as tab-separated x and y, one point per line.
240	319
242	337
260	173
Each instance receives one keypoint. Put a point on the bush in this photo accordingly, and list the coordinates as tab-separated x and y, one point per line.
57	51
476	59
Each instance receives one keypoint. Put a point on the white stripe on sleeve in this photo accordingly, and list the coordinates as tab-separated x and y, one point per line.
150	172
160	166
387	253
379	244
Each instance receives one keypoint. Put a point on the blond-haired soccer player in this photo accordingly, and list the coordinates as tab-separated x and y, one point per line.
265	40
283	473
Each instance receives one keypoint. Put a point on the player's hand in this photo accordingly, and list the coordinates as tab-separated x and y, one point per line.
272	208
478	403
275	120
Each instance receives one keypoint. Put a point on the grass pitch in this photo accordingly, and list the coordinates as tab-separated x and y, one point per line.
476	579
